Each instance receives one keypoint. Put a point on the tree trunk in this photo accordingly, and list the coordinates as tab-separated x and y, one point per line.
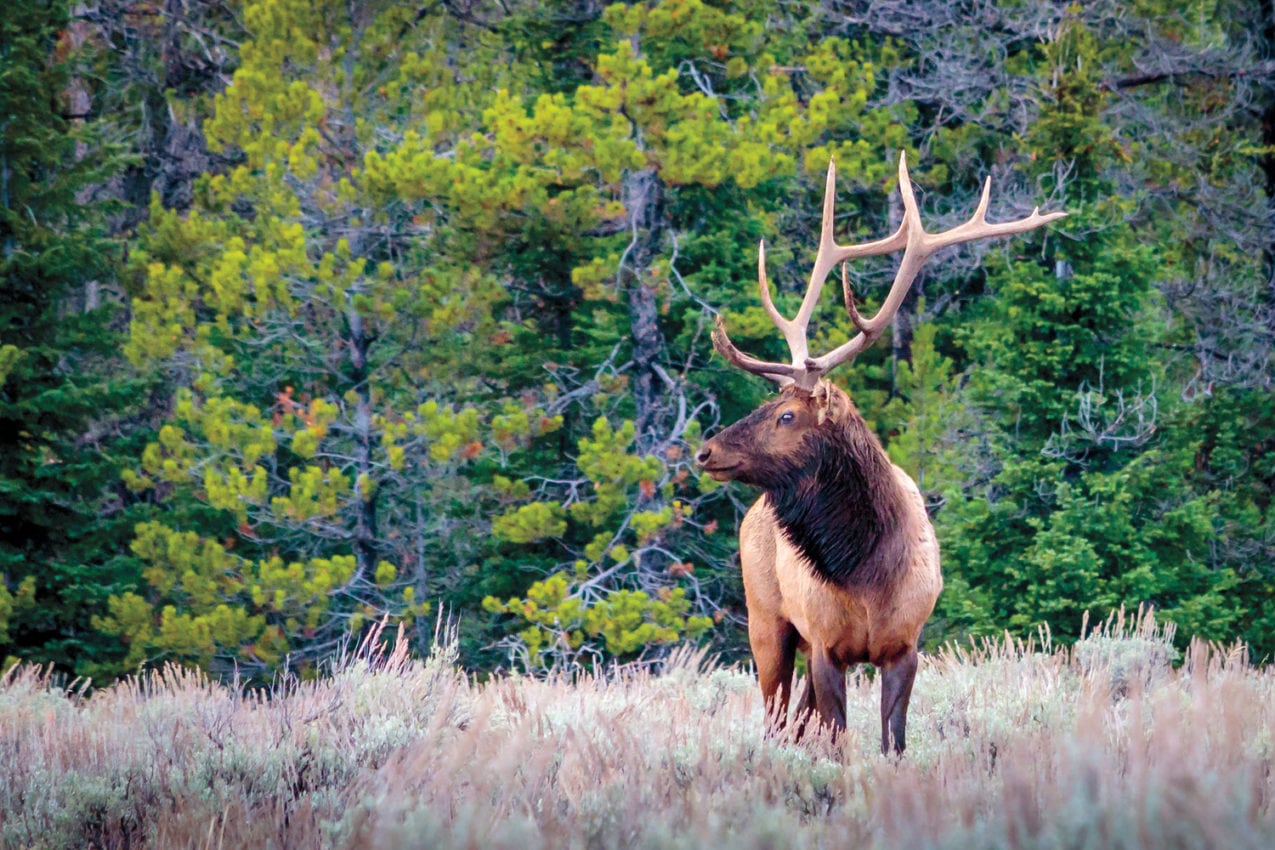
10	242
1268	140
365	549
79	103
644	200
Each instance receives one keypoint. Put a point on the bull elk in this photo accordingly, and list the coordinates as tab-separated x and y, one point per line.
839	557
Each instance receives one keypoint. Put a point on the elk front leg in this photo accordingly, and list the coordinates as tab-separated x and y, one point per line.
828	679
774	645
896	691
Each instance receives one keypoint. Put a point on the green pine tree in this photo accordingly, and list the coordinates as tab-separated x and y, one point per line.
65	402
1084	501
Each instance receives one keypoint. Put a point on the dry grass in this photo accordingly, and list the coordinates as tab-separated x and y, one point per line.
1104	746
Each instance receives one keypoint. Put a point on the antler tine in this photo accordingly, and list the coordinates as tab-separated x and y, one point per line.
978	228
919	247
782	373
824	260
764	286
830	253
913	233
910	236
856	318
805	370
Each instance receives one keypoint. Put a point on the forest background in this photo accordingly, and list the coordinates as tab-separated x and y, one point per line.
317	312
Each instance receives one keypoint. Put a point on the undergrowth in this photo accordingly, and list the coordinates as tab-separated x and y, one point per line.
1112	743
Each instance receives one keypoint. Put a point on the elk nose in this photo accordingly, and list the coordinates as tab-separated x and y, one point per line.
703	456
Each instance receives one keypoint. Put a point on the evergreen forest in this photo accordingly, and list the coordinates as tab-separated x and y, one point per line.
319	314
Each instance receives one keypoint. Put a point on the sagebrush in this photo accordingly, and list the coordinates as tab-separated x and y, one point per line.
1106	744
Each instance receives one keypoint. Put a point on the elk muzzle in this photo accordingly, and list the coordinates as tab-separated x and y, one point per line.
716	461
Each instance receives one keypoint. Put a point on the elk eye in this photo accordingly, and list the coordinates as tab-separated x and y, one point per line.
786	418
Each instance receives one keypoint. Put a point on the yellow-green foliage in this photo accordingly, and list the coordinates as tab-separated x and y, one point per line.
11	602
322	369
565	155
9	357
563	626
530	522
231	608
336	287
613	472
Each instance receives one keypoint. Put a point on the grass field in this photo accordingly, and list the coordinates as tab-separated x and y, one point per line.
1106	745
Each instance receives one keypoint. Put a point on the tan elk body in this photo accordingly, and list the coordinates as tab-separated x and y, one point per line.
839	556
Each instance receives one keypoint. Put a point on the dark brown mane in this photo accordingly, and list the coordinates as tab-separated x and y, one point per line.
841	508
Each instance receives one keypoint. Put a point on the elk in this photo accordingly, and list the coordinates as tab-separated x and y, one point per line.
839	558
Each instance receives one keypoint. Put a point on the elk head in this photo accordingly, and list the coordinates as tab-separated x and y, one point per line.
779	438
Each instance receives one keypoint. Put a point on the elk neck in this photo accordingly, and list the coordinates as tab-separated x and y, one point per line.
843	509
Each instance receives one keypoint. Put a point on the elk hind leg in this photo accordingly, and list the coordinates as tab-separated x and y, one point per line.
828	681
806	706
896	692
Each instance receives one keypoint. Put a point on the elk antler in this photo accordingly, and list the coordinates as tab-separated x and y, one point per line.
917	246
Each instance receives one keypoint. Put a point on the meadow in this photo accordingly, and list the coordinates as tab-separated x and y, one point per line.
1115	742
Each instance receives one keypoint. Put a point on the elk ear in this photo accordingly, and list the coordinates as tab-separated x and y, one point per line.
829	403
823	401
